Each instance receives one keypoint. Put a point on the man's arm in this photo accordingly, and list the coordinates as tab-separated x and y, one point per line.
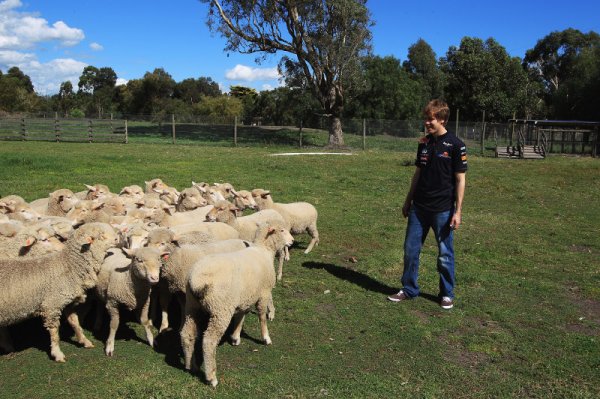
411	192
460	194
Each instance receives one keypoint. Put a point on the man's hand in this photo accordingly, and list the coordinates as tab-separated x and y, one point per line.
406	208
455	221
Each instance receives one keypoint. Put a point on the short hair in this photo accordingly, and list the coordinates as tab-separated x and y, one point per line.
437	108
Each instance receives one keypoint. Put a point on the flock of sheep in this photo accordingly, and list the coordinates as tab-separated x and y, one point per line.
61	254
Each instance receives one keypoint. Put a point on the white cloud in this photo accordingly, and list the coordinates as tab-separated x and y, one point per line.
21	31
245	73
267	87
48	76
96	47
121	82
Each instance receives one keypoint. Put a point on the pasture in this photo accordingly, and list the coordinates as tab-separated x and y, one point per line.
526	321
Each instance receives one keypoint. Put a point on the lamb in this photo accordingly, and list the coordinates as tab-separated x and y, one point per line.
226	212
47	285
190	199
31	241
300	216
226	286
60	202
22	212
130	287
243	200
153	184
177	266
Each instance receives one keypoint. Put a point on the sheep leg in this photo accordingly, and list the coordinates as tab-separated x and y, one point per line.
113	311
5	341
164	299
217	325
314	233
265	309
281	254
238	322
181	300
73	320
189	332
52	323
146	322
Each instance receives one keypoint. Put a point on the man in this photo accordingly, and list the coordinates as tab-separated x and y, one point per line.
434	201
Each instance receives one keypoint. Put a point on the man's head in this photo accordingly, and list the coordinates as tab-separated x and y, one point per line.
436	115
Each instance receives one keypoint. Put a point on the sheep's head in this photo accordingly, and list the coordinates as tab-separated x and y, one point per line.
243	199
96	238
97	191
162	239
146	263
134	191
222	211
64	198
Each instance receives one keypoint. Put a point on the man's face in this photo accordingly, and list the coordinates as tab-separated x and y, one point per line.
434	126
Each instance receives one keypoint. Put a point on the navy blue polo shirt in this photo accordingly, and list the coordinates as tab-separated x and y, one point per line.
439	159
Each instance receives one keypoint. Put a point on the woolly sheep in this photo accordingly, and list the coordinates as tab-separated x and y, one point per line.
226	286
31	241
87	211
190	199
130	287
243	200
300	216
176	269
60	202
153	184
23	212
47	285
226	212
7	203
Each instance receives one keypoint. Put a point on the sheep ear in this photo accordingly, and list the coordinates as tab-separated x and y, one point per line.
128	251
97	206
125	191
169	209
29	242
235	193
271	230
91	188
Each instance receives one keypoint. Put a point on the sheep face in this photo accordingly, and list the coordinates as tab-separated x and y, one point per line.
97	191
146	263
243	199
154	184
23	213
161	239
133	192
64	198
222	211
190	199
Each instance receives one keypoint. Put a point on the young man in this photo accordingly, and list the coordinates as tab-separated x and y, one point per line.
434	201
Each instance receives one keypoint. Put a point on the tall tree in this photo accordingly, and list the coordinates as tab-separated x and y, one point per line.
24	80
422	64
325	39
191	90
66	96
389	92
482	76
552	62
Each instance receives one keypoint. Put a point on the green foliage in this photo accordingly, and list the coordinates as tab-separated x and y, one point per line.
422	64
482	76
389	91
221	106
525	322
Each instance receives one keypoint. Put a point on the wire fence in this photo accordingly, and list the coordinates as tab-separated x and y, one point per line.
481	137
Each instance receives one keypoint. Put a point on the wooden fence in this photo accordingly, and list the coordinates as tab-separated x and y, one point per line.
64	130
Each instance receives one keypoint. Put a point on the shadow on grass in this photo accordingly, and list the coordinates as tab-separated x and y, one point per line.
361	279
358	278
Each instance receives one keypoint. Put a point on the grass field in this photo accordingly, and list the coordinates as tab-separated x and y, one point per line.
526	321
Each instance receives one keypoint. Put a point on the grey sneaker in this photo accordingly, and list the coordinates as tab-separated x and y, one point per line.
400	296
447	303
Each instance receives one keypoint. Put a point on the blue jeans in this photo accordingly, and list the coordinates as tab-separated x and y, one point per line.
419	223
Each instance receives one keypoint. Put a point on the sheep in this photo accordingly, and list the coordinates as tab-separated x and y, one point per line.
154	184
129	286
60	202
7	203
243	200
177	266
190	199
10	228
133	192
226	212
47	285
97	191
226	189
169	195
31	241
226	286
86	211
23	212
300	216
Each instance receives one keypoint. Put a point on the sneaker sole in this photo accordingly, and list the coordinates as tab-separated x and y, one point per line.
447	307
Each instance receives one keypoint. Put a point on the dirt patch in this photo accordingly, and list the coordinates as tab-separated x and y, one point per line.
588	322
581	249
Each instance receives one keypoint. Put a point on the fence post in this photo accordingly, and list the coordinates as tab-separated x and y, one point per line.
235	131
300	134
512	129
126	133
56	128
90	131
364	134
456	128
173	127
23	129
482	133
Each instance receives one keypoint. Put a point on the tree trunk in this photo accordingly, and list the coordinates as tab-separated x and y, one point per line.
336	136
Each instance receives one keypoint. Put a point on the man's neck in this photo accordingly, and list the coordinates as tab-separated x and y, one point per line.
440	132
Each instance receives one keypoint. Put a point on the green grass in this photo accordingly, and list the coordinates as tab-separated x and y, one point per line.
527	316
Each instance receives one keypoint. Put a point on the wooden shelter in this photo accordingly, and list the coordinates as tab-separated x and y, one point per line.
534	139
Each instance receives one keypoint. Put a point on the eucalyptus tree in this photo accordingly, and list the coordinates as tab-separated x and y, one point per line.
422	64
321	40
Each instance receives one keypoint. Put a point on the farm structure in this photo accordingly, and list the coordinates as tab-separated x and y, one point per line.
534	139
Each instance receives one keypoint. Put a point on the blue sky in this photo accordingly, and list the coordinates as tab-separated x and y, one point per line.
53	40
